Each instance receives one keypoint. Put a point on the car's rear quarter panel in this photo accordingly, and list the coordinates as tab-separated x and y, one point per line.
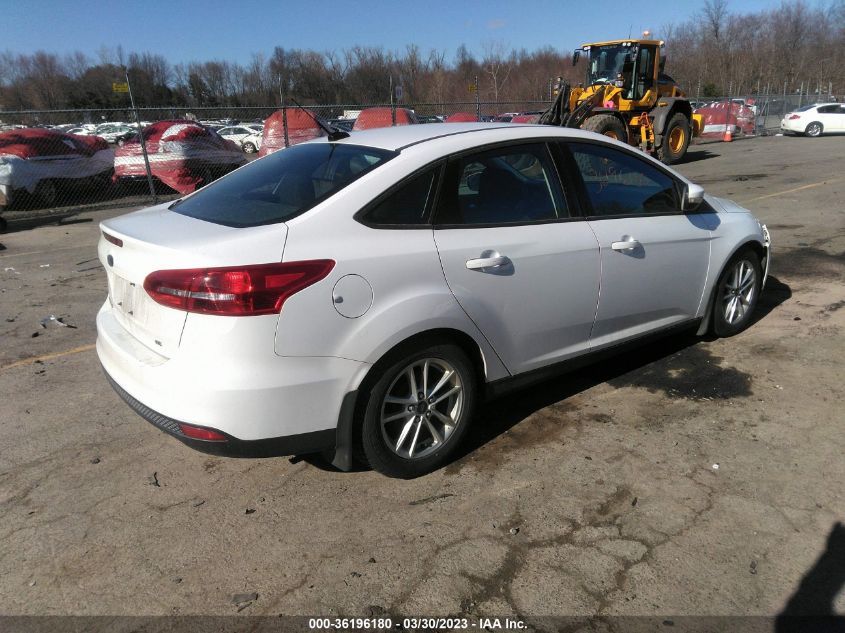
409	290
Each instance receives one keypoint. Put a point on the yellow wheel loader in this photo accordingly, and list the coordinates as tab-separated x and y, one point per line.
627	96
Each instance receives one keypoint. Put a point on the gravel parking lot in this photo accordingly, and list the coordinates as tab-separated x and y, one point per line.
689	477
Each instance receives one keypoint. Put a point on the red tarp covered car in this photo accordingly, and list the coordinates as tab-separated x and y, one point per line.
40	162
461	117
720	115
301	127
382	117
184	155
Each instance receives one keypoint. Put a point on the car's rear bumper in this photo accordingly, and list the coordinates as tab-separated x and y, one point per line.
265	404
299	444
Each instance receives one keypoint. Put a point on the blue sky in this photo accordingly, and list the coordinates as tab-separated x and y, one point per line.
233	30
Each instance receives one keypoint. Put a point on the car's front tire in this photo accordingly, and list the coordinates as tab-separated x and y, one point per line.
737	293
418	410
249	148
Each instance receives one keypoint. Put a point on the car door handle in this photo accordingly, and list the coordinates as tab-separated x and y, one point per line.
626	245
487	262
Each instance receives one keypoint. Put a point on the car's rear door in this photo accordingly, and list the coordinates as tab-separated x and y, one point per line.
654	257
521	264
836	118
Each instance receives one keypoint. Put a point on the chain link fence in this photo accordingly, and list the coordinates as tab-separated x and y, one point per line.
752	114
62	161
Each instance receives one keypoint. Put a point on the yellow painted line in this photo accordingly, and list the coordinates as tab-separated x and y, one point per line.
34	359
802	188
52	250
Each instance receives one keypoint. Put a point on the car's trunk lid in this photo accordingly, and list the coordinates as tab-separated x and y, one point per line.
159	239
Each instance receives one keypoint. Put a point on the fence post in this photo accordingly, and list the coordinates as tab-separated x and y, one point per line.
141	138
392	104
477	102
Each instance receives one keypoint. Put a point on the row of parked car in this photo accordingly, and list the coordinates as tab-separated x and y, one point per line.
37	163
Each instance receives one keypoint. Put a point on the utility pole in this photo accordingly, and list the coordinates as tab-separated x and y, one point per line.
141	138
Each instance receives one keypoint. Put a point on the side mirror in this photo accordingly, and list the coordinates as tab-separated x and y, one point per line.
576	55
692	198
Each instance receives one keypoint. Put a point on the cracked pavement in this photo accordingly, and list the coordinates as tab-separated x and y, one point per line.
689	477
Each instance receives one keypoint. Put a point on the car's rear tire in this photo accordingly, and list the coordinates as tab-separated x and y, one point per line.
249	148
418	410
814	129
737	293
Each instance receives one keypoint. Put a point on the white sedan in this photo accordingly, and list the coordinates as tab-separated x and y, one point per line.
361	295
248	139
815	120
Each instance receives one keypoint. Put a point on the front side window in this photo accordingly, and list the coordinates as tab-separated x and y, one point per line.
516	184
281	185
618	183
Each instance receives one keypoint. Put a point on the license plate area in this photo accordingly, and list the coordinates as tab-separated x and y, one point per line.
123	295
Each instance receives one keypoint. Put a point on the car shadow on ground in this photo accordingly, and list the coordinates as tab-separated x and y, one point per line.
810	608
677	365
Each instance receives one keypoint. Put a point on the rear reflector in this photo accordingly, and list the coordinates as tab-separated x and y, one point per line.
792	117
199	433
235	290
114	240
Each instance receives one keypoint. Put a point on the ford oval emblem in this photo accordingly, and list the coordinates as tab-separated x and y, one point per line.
110	260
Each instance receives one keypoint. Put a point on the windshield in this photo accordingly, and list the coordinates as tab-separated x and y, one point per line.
606	63
281	185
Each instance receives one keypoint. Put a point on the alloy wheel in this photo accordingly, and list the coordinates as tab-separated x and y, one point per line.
422	408
739	291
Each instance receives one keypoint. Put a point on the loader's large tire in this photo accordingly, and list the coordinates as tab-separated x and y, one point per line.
676	138
608	125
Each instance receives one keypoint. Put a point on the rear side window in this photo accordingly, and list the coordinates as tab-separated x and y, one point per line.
618	183
281	185
407	205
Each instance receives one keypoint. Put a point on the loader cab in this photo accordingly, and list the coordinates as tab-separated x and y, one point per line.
630	65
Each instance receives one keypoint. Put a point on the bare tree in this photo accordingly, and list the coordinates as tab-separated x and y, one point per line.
498	65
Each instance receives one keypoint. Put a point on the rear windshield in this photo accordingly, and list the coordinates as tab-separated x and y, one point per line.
281	185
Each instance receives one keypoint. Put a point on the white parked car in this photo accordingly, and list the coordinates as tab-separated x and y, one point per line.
244	137
111	132
815	120
360	295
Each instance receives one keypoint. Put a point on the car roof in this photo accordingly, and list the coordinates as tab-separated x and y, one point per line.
401	137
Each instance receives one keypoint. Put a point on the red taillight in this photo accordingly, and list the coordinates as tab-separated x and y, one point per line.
794	116
199	433
235	290
114	240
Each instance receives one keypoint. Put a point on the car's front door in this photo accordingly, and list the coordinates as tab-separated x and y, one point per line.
654	257
520	265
